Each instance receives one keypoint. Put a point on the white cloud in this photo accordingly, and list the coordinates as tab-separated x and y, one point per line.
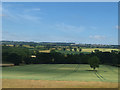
31	10
97	37
117	27
17	17
66	28
28	17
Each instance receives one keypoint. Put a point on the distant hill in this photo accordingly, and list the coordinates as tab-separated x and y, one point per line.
58	44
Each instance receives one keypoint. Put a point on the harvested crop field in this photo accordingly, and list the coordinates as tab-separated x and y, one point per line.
18	83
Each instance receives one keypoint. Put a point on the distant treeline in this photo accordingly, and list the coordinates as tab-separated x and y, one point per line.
58	44
18	55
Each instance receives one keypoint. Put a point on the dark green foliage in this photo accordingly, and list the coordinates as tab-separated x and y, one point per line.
80	49
56	48
64	49
118	56
28	60
5	56
33	45
24	56
114	51
84	58
14	58
75	49
14	45
20	45
48	46
20	51
70	48
43	58
57	57
94	62
52	51
73	59
96	51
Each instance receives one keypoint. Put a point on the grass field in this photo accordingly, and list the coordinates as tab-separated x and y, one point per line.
61	73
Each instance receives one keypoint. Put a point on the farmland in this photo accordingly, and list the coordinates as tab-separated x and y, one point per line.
59	66
87	50
61	73
59	45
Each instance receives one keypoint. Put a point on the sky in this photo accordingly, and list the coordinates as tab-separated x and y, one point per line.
79	22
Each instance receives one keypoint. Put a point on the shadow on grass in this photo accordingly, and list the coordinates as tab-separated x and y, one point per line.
91	70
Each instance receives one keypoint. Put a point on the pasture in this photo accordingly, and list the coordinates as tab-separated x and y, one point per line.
86	50
58	75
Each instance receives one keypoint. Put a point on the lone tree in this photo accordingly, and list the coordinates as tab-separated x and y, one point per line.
75	49
64	49
94	62
96	51
80	49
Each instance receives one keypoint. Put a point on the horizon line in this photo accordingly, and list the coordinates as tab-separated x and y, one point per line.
54	42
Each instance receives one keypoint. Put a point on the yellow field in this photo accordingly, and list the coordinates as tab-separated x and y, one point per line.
45	51
19	83
10	45
27	46
100	49
83	50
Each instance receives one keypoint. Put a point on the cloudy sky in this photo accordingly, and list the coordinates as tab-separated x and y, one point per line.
95	23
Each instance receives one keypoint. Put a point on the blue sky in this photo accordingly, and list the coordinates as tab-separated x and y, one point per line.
88	22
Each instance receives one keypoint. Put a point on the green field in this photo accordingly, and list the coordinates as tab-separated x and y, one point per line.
61	72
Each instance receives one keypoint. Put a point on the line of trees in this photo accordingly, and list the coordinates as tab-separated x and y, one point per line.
19	55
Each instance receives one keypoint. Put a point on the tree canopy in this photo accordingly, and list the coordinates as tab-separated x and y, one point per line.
94	62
